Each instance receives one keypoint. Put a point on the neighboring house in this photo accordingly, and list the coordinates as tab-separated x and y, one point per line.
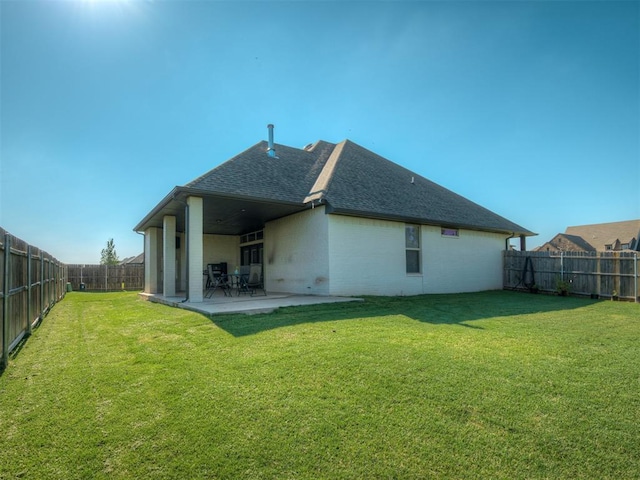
327	219
600	237
137	259
566	243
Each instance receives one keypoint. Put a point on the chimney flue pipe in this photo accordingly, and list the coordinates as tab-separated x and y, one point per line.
271	150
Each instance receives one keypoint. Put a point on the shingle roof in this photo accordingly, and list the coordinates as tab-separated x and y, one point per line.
288	177
567	243
601	234
366	183
350	180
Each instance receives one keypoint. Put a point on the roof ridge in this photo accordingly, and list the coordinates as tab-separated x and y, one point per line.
321	184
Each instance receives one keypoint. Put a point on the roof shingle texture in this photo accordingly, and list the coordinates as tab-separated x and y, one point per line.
356	181
601	234
253	173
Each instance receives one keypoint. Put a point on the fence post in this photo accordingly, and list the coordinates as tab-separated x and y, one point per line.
29	282
635	278
5	302
41	285
598	275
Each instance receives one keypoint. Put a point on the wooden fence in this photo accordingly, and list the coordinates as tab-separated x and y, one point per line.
105	278
31	282
601	274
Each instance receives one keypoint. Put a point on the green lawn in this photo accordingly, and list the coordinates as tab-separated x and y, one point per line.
488	385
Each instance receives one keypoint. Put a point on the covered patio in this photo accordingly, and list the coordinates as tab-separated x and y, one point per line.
219	304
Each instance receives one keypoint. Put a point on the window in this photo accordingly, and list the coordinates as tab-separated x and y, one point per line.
412	245
252	237
608	247
449	232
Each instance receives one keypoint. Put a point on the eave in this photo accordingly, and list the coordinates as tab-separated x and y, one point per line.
223	213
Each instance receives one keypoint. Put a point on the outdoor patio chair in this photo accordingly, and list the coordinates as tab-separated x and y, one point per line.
216	280
253	281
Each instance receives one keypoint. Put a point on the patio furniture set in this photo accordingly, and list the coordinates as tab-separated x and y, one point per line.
248	279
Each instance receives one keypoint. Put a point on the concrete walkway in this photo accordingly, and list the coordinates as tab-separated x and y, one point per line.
220	305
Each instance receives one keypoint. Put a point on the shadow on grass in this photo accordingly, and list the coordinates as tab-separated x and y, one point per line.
450	309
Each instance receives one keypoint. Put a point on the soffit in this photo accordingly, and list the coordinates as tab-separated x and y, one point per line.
222	214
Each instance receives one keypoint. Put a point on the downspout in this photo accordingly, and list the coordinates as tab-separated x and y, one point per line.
506	241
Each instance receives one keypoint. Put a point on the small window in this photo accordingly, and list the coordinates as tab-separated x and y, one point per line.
412	247
449	232
252	237
624	246
608	247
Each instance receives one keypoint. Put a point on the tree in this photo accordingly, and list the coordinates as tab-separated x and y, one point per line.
109	255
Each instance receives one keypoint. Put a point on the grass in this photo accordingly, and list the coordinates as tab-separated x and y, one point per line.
487	385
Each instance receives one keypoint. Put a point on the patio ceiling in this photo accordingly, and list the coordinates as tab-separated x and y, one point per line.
222	214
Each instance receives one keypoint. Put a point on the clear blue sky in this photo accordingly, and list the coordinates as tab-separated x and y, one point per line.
529	108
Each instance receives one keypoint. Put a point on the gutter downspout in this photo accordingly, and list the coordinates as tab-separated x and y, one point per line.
506	241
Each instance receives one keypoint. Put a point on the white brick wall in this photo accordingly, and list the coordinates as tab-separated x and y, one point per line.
222	248
296	253
472	262
367	256
315	253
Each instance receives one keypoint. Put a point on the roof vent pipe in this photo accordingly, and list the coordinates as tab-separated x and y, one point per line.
271	150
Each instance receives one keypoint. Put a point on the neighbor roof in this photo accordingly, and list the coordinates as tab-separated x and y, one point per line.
566	243
601	234
347	178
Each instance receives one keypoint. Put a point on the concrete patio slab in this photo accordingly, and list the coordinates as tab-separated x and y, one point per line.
221	305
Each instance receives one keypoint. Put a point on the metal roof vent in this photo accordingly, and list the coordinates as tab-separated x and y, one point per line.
271	151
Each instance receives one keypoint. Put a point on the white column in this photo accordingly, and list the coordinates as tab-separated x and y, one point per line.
169	256
194	237
151	236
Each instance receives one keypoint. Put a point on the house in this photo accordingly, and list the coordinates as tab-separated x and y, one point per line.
563	242
600	237
326	219
138	259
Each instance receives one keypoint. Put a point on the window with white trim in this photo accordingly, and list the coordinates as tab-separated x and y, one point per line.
450	232
412	247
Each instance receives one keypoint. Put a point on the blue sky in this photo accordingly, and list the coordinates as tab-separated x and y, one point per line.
529	108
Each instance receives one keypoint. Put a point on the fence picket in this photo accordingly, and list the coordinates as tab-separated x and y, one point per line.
129	276
605	274
27	289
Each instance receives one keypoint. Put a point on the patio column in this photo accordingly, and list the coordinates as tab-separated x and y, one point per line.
523	243
151	264
194	256
169	256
